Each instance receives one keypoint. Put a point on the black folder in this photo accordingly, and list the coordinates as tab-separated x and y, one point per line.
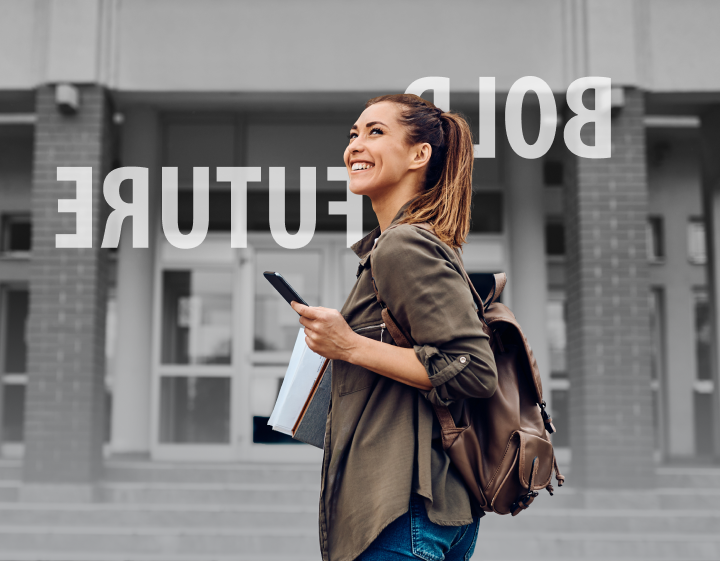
311	424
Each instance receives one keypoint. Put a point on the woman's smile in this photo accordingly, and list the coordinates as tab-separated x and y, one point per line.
361	166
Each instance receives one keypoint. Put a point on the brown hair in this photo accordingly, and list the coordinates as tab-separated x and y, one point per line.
445	201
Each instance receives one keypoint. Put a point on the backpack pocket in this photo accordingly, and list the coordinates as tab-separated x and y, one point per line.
525	454
531	447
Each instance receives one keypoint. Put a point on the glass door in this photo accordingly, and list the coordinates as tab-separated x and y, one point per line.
197	352
223	339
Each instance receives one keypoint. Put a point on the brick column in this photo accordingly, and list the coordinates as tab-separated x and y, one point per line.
611	424
64	418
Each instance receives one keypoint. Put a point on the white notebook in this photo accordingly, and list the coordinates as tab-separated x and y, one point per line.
302	373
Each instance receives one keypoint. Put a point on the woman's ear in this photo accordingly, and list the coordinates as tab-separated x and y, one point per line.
420	155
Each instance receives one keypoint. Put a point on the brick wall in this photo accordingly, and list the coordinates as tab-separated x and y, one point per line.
64	412
611	425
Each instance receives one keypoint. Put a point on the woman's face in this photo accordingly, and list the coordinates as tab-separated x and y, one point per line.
377	157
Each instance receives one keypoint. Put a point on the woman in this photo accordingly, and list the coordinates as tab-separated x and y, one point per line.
388	489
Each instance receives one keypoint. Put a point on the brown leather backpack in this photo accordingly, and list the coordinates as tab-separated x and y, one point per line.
502	448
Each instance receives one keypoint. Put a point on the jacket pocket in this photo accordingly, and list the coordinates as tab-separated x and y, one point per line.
356	378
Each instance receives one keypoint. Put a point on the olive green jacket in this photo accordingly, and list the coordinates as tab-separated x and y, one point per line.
382	441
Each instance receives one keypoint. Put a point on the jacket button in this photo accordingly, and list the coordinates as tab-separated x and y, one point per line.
463	359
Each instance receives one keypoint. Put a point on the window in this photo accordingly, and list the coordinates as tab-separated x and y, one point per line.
703	336
13	345
195	409
703	394
16	233
258	211
560	417
486	217
110	342
553	172
657	363
197	317
556	333
196	330
655	239
696	241
555	236
487	212
559	382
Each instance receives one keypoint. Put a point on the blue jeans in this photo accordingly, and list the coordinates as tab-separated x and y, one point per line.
413	536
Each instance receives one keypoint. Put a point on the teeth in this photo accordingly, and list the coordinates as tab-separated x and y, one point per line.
361	165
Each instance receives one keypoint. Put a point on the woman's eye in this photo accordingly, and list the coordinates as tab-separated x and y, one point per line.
353	135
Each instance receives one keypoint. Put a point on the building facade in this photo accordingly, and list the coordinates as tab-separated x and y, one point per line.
177	354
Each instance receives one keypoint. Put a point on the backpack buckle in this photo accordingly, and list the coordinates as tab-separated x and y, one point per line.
522	502
546	418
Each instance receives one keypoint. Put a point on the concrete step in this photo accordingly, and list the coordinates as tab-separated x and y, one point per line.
512	546
168	472
165	472
147	472
141	540
109	543
118	515
694	477
305	517
610	520
9	491
210	493
10	470
308	494
651	499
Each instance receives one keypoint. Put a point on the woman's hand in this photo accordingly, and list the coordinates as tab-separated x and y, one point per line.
326	332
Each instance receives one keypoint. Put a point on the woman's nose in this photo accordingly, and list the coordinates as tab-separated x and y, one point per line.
357	146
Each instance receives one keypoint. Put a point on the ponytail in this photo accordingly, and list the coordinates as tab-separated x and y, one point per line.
446	198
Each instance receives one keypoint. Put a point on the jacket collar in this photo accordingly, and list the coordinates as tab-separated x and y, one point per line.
362	248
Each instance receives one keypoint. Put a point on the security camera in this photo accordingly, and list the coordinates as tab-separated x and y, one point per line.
67	99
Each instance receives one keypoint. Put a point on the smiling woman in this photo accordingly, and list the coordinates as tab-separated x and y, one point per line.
388	488
388	163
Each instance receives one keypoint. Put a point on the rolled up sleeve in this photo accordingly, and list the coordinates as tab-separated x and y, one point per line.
419	281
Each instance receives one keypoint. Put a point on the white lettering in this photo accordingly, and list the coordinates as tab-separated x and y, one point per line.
201	208
138	208
81	206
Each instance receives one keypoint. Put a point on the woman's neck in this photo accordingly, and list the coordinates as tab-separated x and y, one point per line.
387	207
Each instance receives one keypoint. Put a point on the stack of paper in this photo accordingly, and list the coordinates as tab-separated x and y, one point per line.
301	407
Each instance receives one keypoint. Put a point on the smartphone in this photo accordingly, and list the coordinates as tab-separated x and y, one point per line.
283	287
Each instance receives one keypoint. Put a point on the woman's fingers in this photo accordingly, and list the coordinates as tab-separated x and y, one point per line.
309	312
298	307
